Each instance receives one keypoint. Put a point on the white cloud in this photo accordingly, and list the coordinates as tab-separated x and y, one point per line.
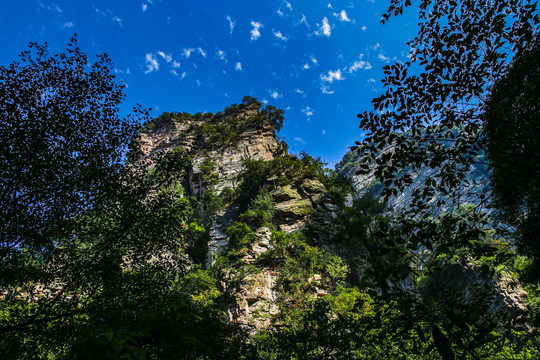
279	12
332	76
374	47
274	94
238	66
120	71
255	33
298	91
329	6
300	140
383	58
313	60
306	66
364	28
144	7
198	82
187	52
359	64
69	24
151	63
202	52
117	20
166	57
183	75
308	112
371	80
175	64
324	132
342	16
232	23
279	35
326	90
221	55
288	5
303	20
324	29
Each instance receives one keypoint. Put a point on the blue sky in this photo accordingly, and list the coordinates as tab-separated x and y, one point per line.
319	61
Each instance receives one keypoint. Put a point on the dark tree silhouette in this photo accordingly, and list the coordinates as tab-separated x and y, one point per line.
62	141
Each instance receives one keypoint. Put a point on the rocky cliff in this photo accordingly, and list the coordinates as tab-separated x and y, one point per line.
267	204
272	232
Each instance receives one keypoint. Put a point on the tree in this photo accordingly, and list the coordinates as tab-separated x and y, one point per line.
62	159
431	112
429	124
512	126
62	142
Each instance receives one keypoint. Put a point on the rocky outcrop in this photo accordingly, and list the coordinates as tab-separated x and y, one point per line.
217	147
256	142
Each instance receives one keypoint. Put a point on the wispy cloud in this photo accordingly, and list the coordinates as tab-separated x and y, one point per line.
274	94
221	55
144	7
280	13
301	92
342	16
300	140
108	14
359	64
232	23
187	52
255	33
68	24
374	47
238	66
151	63
279	35
364	28
383	58
117	20
303	20
166	57
308	112
325	89
332	76
324	29
288	5
202	52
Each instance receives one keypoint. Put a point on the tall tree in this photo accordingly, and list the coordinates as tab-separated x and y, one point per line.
431	112
426	131
62	141
512	126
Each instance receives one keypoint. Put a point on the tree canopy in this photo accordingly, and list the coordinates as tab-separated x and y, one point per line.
62	141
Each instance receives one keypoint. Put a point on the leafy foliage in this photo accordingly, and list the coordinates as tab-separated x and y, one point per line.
63	142
512	126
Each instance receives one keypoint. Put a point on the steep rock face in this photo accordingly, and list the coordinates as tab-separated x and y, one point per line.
217	147
475	183
257	142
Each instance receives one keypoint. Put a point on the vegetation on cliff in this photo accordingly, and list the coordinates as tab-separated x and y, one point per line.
149	254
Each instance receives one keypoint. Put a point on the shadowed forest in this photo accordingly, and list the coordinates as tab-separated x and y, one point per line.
200	236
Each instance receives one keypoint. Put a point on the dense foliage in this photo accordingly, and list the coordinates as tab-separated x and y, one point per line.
105	254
